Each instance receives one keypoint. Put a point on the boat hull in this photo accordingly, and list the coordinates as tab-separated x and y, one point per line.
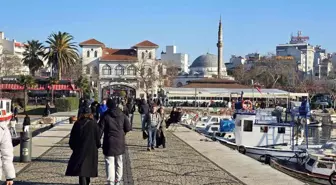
260	153
301	174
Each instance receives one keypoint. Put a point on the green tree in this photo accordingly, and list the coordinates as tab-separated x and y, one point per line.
62	52
33	55
52	81
83	84
26	81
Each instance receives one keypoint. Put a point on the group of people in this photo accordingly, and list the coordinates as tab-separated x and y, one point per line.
109	120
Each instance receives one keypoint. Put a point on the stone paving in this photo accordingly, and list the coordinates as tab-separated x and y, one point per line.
178	164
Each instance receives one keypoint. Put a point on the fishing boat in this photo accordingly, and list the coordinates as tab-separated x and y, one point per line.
258	134
224	128
318	167
5	111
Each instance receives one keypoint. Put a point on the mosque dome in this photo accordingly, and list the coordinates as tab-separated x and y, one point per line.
205	61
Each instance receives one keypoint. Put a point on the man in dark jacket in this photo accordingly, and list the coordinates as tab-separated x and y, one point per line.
144	111
114	125
131	109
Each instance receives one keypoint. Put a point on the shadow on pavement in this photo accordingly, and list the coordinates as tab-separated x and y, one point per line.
37	183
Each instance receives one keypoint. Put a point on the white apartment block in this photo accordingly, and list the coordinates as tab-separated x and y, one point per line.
179	59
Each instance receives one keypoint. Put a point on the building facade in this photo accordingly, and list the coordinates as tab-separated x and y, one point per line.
181	60
134	71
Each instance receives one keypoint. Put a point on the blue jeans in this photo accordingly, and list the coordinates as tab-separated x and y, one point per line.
151	136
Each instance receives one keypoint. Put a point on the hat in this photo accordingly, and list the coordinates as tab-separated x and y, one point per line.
111	103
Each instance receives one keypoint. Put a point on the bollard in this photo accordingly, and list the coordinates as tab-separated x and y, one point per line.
25	146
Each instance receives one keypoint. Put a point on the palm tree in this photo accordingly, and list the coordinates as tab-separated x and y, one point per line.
62	53
52	81
33	55
83	84
26	81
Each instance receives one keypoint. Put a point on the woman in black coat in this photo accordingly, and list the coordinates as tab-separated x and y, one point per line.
84	143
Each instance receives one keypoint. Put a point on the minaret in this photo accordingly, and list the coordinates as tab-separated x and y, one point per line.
220	49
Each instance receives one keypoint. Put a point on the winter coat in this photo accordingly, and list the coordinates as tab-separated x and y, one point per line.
126	110
102	109
84	143
26	121
6	153
144	108
131	107
114	124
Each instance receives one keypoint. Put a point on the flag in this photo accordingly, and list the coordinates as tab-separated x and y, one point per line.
258	87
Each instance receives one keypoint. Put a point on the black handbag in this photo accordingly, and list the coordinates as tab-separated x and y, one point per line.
144	135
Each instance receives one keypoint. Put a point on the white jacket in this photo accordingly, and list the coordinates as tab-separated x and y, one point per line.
6	153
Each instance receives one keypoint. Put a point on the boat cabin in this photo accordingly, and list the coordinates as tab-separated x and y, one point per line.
5	110
211	120
321	163
260	129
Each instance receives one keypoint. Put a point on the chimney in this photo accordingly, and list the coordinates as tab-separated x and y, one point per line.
2	35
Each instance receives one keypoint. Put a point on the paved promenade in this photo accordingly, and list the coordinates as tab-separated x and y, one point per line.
181	163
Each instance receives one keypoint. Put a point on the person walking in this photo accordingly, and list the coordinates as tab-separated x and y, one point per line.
102	108
160	135
12	128
6	153
84	143
144	112
152	126
26	123
114	124
47	109
131	109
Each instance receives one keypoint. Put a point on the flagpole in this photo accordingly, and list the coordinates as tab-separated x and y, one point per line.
252	93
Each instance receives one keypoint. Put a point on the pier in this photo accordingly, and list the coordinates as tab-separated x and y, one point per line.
186	160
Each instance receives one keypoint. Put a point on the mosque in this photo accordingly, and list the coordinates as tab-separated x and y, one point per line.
207	66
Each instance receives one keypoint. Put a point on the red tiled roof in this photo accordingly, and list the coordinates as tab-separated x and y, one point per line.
119	54
146	43
19	44
92	42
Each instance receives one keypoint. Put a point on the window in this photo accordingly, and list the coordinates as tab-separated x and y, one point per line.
239	122
281	130
95	54
87	70
119	70
149	71
150	55
214	120
8	107
143	55
142	85
131	70
324	165
107	70
95	70
88	54
264	129
248	126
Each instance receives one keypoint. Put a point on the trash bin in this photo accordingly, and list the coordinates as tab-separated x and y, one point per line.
25	146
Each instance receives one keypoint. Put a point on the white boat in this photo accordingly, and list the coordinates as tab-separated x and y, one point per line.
258	135
203	123
5	111
319	167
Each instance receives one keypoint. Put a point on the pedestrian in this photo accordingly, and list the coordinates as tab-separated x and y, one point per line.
15	113
102	108
47	109
84	143
12	128
160	135
114	125
131	109
144	112
125	109
152	126
6	152
26	123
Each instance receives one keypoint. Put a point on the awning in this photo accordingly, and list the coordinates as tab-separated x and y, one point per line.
56	87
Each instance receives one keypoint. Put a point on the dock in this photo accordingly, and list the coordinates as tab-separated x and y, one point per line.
187	161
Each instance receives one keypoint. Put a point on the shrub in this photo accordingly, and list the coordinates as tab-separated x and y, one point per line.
66	104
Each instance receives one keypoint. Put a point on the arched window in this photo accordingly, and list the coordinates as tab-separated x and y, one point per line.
119	70
87	70
107	70
150	55
95	70
88	54
131	70
143	55
149	71
95	53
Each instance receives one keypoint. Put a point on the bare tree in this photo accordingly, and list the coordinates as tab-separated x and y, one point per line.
73	72
148	74
10	64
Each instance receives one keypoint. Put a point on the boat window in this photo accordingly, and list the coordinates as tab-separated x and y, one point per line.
281	130
7	107
248	125
0	104
239	122
214	119
311	162
264	129
324	165
214	128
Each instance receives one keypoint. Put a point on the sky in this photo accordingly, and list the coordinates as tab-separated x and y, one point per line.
192	25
